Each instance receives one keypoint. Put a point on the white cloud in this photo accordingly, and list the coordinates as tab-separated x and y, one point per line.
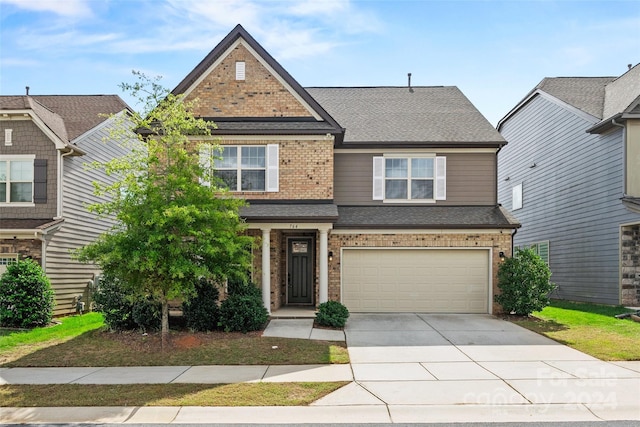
68	8
19	62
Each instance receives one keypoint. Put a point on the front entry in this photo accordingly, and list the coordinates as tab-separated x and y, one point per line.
300	270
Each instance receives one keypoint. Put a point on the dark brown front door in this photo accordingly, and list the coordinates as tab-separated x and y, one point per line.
300	271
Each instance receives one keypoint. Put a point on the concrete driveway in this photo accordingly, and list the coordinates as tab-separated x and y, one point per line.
418	365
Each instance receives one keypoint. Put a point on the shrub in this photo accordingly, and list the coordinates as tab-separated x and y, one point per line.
147	313
115	304
201	312
26	297
244	288
243	311
333	314
524	283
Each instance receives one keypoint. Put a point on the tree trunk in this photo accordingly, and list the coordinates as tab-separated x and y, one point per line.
165	322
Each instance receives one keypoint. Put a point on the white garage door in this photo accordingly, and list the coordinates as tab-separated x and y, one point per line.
416	280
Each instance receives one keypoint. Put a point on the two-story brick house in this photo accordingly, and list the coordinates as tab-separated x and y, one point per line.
45	142
383	198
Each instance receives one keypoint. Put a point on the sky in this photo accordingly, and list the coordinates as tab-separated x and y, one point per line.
494	51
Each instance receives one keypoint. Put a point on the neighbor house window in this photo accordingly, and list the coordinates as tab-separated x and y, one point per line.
409	178
539	248
16	179
244	167
516	197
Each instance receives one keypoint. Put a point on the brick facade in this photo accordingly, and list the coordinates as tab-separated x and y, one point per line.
630	259
305	169
499	242
259	95
27	248
29	139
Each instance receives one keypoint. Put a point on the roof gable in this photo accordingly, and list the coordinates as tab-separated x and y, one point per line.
622	93
268	90
67	116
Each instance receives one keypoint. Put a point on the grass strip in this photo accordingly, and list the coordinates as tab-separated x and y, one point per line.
590	328
259	394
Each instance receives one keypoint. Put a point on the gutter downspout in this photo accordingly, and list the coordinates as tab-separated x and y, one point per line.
624	154
61	157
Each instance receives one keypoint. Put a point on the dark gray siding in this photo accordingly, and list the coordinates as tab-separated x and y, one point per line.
29	139
571	198
470	179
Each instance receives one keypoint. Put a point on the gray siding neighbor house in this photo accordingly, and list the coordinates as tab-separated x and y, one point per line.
571	175
45	142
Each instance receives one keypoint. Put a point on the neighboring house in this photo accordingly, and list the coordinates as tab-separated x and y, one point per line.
45	143
383	198
571	174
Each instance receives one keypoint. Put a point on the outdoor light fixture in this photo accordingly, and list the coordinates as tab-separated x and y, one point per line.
330	256
502	257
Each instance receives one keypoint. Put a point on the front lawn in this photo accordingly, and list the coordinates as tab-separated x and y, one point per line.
590	328
82	341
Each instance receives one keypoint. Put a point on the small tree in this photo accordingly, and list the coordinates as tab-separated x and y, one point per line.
524	283
171	230
26	297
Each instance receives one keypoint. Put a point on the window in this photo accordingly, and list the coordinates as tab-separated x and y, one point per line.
245	167
16	179
516	197
409	178
540	248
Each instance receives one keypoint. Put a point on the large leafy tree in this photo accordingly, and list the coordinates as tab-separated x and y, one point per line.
171	230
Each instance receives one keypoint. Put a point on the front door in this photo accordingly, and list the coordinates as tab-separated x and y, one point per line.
300	271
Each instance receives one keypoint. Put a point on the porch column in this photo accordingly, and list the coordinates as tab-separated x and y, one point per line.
266	268
323	289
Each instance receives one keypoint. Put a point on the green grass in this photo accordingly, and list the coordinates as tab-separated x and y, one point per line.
25	341
260	394
82	341
590	328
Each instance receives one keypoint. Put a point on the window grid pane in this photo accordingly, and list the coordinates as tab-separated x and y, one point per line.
396	168
253	157
253	180
395	189
3	171
421	189
21	171
422	168
229	158
20	192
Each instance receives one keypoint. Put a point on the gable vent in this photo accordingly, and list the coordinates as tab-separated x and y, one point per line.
8	137
240	68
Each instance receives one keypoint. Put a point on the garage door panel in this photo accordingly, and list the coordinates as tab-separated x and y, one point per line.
425	280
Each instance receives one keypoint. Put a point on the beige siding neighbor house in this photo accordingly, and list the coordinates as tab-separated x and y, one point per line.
45	186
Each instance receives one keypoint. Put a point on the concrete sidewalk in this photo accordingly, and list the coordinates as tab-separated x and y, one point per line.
405	368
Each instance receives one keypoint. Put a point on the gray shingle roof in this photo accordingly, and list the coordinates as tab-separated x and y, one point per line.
425	115
280	127
584	93
424	217
79	113
272	212
621	93
28	224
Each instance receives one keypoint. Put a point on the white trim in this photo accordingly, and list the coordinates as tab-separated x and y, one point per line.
293	226
428	151
417	231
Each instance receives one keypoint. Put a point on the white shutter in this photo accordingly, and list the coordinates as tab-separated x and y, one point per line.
205	163
378	178
441	178
272	168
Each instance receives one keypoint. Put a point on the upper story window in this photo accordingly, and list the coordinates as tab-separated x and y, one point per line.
244	167
419	179
16	179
